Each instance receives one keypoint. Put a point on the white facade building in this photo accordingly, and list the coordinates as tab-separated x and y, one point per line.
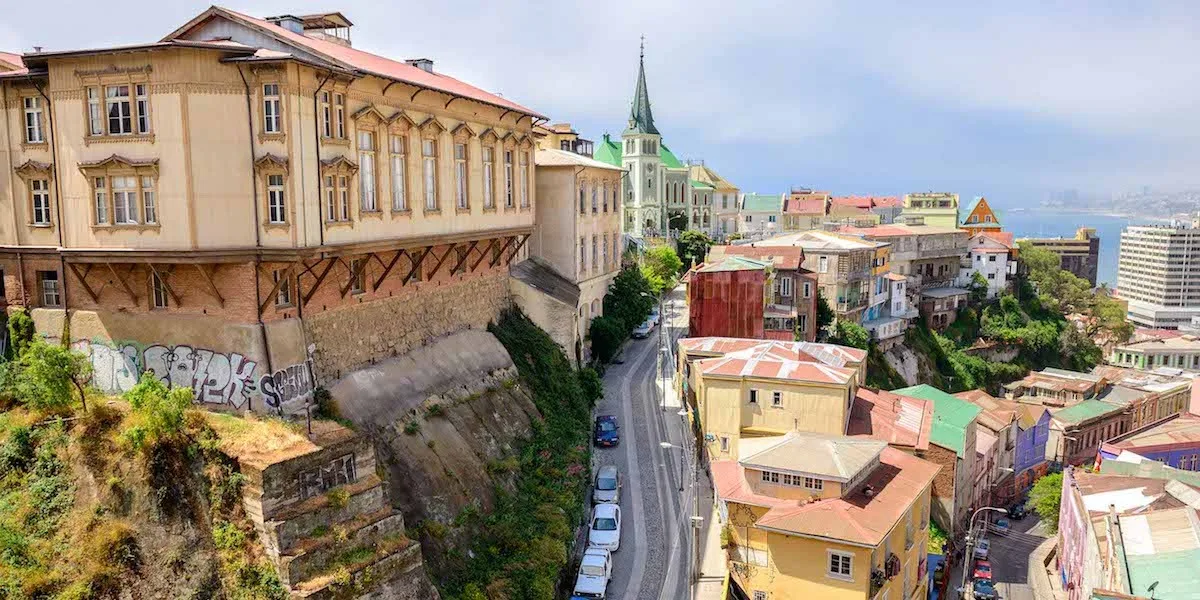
989	255
1159	274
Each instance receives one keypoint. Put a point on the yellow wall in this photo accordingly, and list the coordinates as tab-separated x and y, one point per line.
725	408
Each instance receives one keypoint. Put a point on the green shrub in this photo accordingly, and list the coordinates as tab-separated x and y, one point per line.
412	427
849	333
158	412
48	376
338	497
607	334
20	331
592	385
228	537
435	410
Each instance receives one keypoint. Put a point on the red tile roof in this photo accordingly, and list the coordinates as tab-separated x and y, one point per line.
804	206
359	60
16	61
895	419
783	257
1004	237
857	518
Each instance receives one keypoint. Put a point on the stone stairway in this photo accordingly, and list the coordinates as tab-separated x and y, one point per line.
323	516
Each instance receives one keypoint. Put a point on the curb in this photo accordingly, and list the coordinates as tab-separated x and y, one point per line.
1039	573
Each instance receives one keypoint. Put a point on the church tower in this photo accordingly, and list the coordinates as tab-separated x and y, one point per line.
640	152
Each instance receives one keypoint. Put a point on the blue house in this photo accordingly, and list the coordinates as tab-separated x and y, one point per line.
1029	457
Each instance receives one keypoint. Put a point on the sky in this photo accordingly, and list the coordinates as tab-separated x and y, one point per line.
1009	102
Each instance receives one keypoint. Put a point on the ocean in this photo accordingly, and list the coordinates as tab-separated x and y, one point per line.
1049	223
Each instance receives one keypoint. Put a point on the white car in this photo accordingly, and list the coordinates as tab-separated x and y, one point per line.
643	331
608	486
654	316
981	549
605	530
594	572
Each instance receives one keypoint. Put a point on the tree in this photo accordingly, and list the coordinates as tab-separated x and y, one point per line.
825	315
1045	498
1078	351
606	334
47	374
1108	317
20	331
849	333
1057	289
158	412
978	288
693	246
663	262
629	299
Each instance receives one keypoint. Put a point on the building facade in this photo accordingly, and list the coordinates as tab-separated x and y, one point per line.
993	255
1173	442
1079	255
791	309
720	201
220	202
760	215
729	297
980	217
1159	274
1182	352
844	267
938	209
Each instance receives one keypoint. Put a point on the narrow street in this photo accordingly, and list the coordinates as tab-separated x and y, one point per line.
1009	555
652	561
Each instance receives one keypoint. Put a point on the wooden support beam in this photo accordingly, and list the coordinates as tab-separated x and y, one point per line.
416	265
308	269
124	284
441	260
458	265
212	286
82	277
287	274
320	279
503	249
483	254
388	268
517	249
354	273
166	284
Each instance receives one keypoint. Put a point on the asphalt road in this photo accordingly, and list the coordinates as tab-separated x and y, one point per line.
652	561
1009	555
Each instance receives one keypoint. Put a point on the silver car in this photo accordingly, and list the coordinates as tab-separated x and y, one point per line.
605	531
608	486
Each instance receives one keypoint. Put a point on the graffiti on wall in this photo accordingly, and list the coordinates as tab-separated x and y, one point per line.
287	385
339	471
215	377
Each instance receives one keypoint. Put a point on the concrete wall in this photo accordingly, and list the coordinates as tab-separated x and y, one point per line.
561	321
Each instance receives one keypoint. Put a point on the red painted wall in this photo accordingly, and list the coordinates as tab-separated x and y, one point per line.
726	303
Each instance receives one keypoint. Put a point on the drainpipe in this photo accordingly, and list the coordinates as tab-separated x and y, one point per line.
317	138
262	327
62	261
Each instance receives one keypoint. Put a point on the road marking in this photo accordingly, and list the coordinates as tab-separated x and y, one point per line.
634	583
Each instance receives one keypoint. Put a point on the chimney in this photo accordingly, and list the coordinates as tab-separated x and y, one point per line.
424	64
288	22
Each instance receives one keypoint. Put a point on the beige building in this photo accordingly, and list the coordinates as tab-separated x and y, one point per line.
844	266
575	250
939	209
250	204
723	197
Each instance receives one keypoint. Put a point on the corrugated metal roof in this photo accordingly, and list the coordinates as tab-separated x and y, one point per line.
895	419
1088	409
951	416
770	203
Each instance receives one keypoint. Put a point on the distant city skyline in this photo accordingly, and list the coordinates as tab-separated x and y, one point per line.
1013	103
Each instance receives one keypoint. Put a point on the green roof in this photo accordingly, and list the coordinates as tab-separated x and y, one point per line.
762	202
1151	469
1085	410
1175	572
951	416
735	263
609	151
700	185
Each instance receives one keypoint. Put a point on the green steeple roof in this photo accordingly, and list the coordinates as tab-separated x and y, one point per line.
641	120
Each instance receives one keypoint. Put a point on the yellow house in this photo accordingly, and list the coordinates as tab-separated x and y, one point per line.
829	517
755	388
939	209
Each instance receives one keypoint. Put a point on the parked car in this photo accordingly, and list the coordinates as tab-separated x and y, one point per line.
1017	512
594	573
605	529
643	331
607	431
981	549
1002	525
608	486
984	589
654	318
983	570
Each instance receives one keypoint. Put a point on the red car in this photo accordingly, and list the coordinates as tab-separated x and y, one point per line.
983	570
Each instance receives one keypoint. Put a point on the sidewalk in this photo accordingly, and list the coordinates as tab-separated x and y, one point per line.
1042	577
713	570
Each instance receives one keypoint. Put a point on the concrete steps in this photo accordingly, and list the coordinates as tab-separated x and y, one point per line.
363	536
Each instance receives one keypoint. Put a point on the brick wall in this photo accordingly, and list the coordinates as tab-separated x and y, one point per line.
943	486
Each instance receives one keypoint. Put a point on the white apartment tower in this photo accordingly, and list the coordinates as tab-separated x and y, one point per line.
1159	274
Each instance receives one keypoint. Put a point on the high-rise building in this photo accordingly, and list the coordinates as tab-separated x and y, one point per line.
1079	255
1159	274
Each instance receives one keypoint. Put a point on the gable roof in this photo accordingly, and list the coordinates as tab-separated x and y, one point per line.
828	354
709	177
733	263
951	416
832	457
553	157
354	59
995	414
1084	411
609	150
772	203
897	420
776	360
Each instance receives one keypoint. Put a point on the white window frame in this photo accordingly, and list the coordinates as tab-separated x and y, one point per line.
489	177
117	97
284	296
125	199
141	96
35	132
339	104
272	105
158	292
330	185
358	284
51	295
96	117
822	264
367	199
524	179
508	179
100	197
149	200
276	198
399	152
785	287
39	201
753	396
429	172
845	561
462	201
344	197
326	116
777	399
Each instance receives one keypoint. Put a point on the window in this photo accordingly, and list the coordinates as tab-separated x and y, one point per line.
39	198
840	565
813	483
583	198
460	175
770	477
822	264
991	258
158	291
429	169
582	254
326	116
366	171
604	196
330	198
807	289
785	287
525	180
760	595
753	396
803	323
344	194
749	218
150	202
339	107
489	158
399	173
284	296
508	180
271	106
770	218
991	275
724	444
33	120
143	108
95	114
776	399
101	193
49	284
595	245
604	252
358	276
125	201
275	206
120	119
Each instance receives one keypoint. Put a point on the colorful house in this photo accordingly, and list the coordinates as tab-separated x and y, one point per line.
980	217
728	297
826	516
791	309
1174	442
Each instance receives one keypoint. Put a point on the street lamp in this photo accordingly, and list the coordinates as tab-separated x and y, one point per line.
669	445
967	556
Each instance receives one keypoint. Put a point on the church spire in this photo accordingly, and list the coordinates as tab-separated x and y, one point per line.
641	120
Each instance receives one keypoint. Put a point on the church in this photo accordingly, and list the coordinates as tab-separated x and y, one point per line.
659	194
